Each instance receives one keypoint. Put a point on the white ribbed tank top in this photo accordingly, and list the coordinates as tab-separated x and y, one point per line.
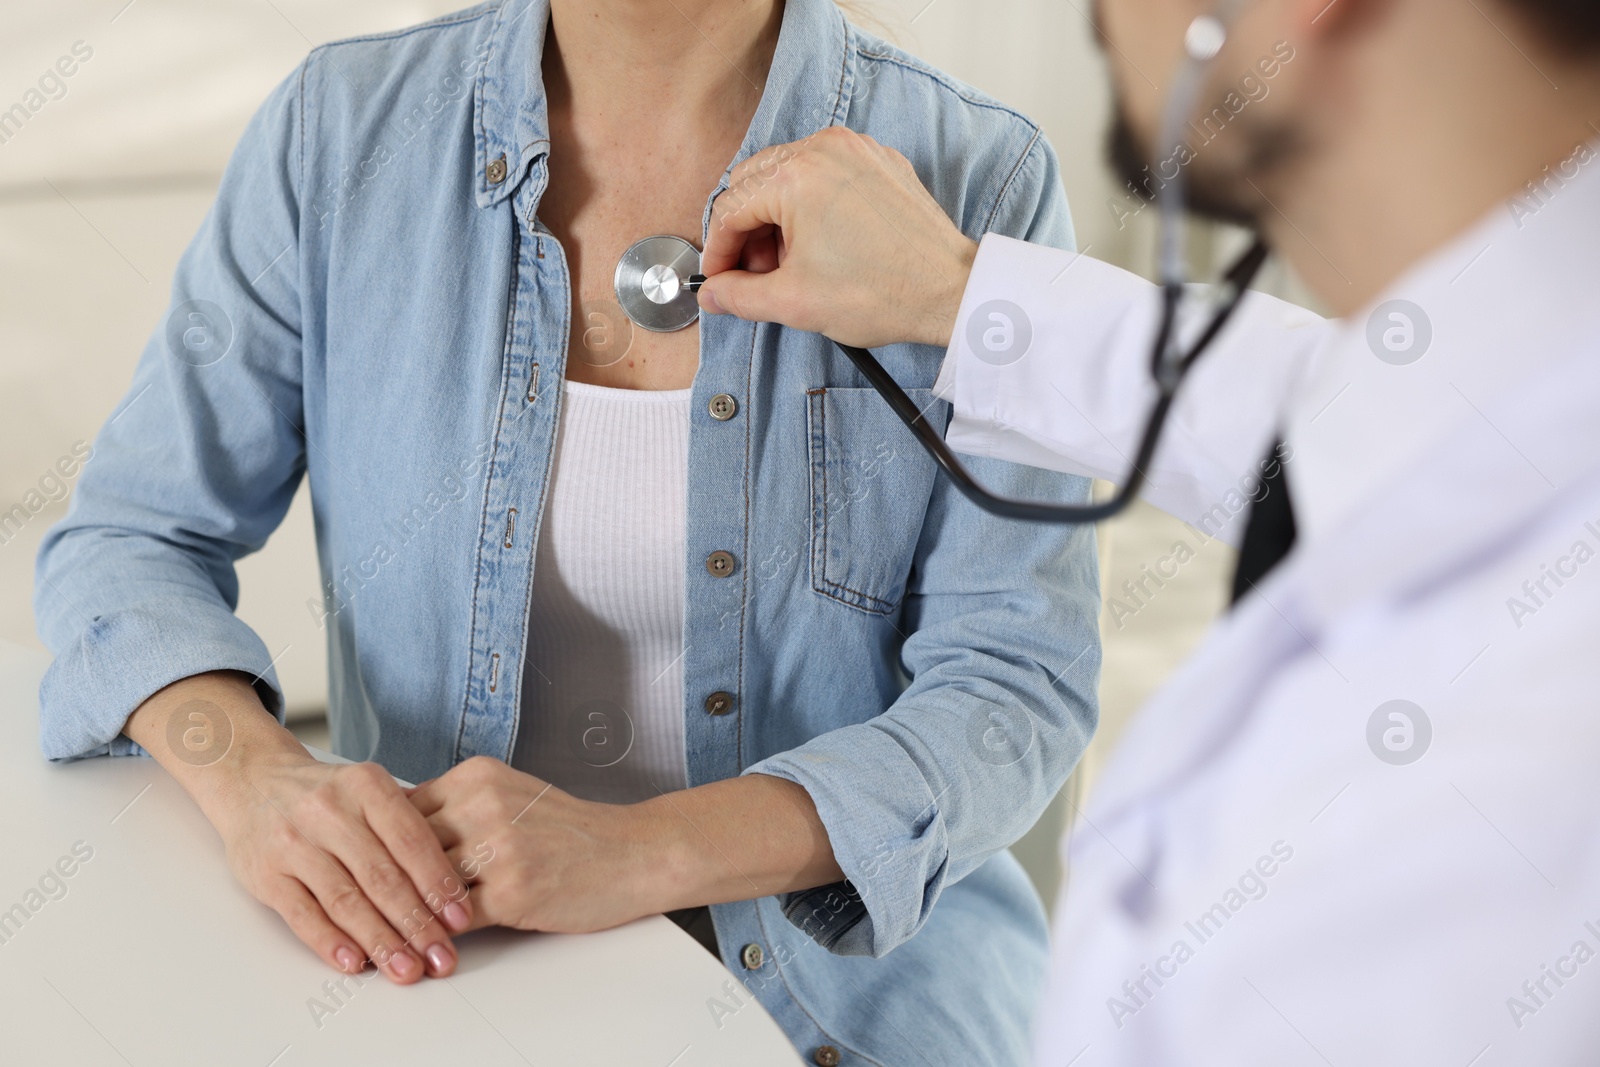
602	705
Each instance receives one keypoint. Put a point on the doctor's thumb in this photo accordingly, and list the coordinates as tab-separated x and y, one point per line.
745	295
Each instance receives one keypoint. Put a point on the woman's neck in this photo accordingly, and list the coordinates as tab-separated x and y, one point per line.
629	66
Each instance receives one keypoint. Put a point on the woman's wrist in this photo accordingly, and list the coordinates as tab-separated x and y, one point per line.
664	870
214	736
737	839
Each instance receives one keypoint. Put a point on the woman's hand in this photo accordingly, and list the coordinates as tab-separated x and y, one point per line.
539	858
344	858
338	851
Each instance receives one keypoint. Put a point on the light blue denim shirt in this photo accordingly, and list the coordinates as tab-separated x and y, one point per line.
373	304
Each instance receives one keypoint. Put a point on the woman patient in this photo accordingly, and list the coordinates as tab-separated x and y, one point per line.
666	622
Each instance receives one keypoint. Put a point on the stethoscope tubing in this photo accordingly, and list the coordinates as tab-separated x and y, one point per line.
1168	365
1168	375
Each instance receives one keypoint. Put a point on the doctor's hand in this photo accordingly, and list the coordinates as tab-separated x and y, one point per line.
836	235
538	858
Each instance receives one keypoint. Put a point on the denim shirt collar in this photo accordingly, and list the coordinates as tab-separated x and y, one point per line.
808	88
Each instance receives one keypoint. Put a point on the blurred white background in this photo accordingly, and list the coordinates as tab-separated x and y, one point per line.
104	183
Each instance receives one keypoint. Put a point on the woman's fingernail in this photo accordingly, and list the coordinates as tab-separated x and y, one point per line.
455	917
708	302
403	964
349	962
439	956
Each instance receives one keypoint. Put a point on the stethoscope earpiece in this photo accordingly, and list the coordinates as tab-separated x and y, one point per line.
1204	38
1169	360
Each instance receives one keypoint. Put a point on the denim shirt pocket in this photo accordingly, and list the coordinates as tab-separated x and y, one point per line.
870	484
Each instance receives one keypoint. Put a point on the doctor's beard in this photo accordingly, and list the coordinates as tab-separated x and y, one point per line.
1209	195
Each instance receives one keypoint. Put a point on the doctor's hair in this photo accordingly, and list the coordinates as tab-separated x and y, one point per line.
1571	27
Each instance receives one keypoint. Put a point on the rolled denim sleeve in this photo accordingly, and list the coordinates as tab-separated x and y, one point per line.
1003	657
136	587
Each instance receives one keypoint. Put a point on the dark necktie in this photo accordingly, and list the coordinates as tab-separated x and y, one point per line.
1269	532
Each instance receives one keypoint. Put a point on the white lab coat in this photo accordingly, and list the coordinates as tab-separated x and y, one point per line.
1265	874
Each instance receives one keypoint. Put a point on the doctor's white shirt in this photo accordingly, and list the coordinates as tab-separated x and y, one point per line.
1362	825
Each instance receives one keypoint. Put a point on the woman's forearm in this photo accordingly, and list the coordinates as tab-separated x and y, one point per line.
737	839
207	729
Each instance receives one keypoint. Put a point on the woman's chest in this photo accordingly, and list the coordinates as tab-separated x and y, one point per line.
597	221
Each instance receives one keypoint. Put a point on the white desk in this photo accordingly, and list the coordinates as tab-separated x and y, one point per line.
154	957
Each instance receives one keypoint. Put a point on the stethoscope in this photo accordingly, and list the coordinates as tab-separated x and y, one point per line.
657	277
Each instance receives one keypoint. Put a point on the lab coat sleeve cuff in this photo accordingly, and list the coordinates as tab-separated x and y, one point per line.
890	841
992	276
123	657
978	387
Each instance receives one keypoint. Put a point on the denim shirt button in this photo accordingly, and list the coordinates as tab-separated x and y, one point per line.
752	957
723	407
720	564
825	1056
496	170
720	702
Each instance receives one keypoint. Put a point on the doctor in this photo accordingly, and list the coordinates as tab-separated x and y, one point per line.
1361	826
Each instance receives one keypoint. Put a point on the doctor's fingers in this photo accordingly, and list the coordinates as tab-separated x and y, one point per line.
774	296
748	208
777	185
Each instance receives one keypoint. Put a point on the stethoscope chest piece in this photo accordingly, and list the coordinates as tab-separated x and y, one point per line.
652	283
